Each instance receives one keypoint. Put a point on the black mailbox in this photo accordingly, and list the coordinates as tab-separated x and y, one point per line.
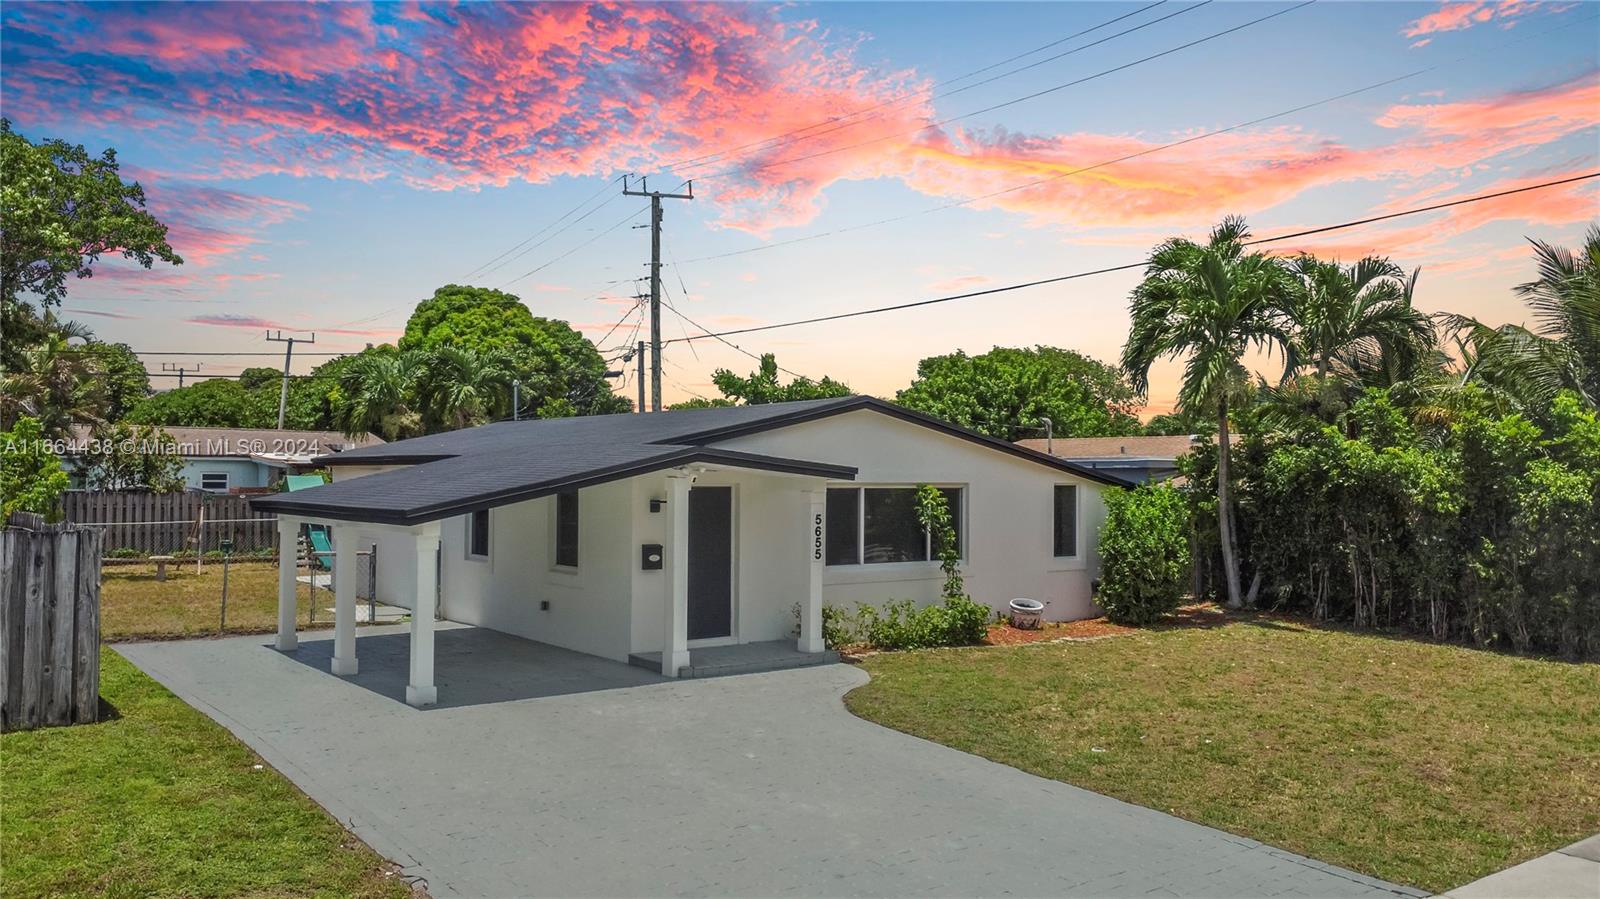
650	557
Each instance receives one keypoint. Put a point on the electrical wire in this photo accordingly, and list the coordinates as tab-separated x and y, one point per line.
840	122
587	200
745	170
539	268
1026	185
1135	265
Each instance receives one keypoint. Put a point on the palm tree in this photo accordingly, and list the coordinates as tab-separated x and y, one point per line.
1563	351
1355	320
460	386
55	381
1208	302
376	393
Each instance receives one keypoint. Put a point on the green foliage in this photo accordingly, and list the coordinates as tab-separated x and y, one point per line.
127	456
1144	551
838	625
761	386
901	624
933	513
61	210
31	476
214	403
1007	391
553	361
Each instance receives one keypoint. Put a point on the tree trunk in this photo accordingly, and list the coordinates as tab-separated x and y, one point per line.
1230	562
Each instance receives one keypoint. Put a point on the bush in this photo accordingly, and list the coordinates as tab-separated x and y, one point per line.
1144	549
838	626
960	621
124	552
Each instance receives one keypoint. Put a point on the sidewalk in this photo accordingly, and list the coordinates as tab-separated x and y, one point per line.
1571	872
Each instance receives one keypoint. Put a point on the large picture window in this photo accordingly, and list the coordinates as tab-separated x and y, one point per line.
567	529
1066	536
872	525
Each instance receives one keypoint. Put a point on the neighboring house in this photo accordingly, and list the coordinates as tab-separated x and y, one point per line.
1133	460
238	460
667	532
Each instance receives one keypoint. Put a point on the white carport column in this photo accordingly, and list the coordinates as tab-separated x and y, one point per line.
675	648
811	609
421	691
345	541
288	585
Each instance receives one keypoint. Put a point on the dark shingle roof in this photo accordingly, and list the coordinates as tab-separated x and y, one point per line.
459	471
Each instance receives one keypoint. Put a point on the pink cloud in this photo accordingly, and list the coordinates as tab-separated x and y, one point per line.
1455	16
258	323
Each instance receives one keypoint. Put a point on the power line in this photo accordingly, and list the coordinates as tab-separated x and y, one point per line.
587	200
552	236
539	268
675	311
840	122
1132	265
1026	185
745	170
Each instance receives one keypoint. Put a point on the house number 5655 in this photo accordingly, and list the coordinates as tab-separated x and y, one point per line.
816	532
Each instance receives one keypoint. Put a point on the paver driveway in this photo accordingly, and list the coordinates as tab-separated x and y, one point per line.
546	772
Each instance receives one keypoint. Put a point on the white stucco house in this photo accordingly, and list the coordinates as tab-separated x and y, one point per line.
663	534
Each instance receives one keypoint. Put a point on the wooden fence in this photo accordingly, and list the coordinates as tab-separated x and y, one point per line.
169	522
49	625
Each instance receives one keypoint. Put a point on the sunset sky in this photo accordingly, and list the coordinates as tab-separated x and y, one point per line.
324	167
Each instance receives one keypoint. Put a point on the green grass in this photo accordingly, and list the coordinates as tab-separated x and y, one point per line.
136	606
1422	764
163	802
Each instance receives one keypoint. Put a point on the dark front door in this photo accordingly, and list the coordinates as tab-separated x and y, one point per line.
710	562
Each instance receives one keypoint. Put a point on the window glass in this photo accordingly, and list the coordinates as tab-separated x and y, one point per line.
952	496
891	532
478	533
1066	542
843	530
567	529
214	480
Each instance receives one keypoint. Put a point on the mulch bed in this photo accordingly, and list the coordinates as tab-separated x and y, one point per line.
1003	634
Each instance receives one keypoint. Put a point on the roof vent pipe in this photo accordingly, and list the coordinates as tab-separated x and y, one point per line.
1049	435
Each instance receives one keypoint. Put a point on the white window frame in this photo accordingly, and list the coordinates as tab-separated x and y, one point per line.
226	481
1076	560
861	529
488	516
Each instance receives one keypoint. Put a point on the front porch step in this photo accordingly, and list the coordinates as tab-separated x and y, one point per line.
739	658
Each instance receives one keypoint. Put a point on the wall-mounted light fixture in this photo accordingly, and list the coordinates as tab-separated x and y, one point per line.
656	505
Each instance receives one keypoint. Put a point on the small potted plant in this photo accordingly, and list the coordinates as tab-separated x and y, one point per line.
1026	613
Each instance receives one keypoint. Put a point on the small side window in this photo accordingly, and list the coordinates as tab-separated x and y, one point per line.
215	481
478	534
1066	536
567	529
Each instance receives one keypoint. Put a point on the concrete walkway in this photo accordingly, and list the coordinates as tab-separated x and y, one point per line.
1570	873
545	772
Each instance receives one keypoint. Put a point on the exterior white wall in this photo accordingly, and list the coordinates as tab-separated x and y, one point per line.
1008	513
589	607
770	543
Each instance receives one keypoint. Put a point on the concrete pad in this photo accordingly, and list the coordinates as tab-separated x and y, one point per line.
1555	875
1589	849
543	772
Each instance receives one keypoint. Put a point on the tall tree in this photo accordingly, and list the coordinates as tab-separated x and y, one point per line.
54	381
122	375
61	209
1348	318
31	476
761	386
1007	391
1562	352
1208	303
375	394
460	387
552	359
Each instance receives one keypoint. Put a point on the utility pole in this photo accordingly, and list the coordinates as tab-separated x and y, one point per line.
181	370
637	353
656	197
288	356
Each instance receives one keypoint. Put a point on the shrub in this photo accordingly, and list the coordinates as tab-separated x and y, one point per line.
838	626
960	621
1144	549
124	552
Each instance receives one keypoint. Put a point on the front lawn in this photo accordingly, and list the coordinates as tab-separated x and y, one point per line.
161	801
1422	764
134	605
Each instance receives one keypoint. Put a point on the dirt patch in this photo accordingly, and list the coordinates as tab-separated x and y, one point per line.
1196	615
